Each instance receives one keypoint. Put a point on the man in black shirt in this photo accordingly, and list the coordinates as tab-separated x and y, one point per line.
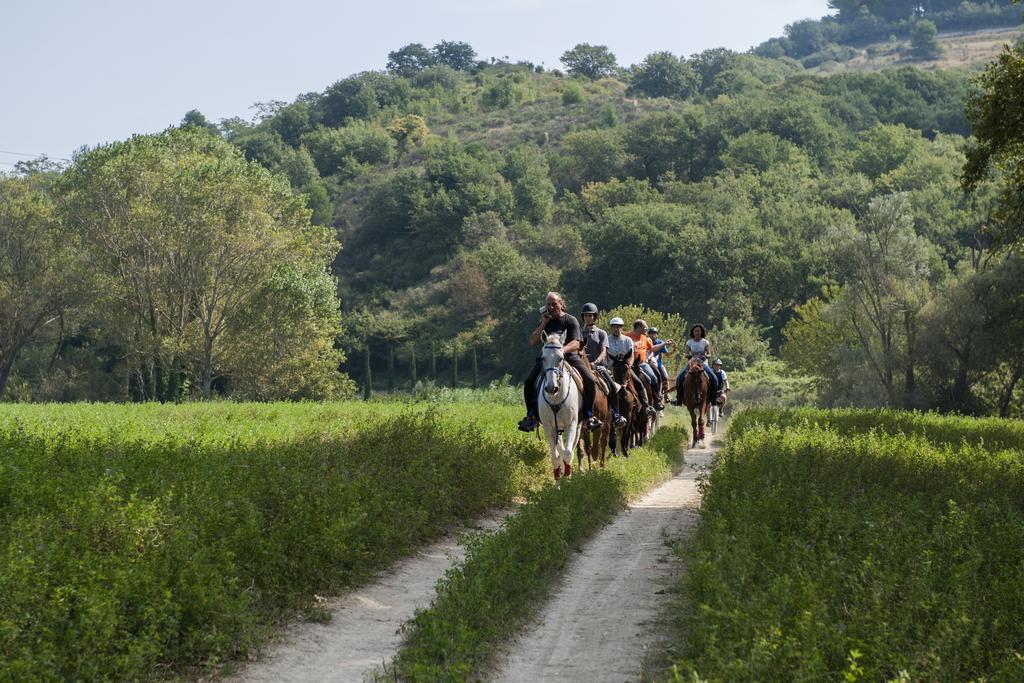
555	320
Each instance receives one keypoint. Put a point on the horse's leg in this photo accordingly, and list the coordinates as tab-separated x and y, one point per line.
571	434
556	458
693	428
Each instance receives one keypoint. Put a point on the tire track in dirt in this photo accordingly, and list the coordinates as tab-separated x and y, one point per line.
606	609
363	631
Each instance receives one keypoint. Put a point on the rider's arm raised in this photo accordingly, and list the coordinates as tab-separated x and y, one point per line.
538	333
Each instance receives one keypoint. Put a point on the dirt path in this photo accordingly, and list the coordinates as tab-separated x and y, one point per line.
604	616
363	630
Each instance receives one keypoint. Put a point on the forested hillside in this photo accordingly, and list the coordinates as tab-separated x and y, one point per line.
816	219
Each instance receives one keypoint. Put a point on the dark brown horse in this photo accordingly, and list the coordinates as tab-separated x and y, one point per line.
626	404
694	395
594	442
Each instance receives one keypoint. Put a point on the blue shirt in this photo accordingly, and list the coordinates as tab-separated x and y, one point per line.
660	354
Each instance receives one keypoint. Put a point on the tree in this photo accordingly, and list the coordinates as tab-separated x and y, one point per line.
361	96
592	61
458	55
995	113
924	42
527	169
185	233
884	267
590	156
662	74
195	117
41	274
347	150
409	60
281	343
665	141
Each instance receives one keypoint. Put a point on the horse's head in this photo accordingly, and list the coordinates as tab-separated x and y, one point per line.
620	366
695	366
553	362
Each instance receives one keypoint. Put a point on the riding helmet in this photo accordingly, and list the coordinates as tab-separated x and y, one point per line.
616	321
589	308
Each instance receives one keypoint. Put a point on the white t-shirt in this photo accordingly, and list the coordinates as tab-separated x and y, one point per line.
698	349
618	346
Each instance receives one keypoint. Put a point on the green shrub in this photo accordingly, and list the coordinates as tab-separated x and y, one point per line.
852	555
992	433
572	93
124	554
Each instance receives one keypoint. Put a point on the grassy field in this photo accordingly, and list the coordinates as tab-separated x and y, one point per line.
961	50
147	540
858	545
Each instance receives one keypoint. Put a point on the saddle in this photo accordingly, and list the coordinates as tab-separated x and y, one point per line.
576	377
602	384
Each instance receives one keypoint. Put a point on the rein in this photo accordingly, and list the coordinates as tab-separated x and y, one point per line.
560	371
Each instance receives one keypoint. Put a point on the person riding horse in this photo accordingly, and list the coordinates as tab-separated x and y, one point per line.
644	348
699	346
597	352
661	347
622	346
554	320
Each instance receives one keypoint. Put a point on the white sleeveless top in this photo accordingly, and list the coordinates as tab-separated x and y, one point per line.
698	349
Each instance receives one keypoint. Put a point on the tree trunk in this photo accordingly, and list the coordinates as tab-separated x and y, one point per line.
5	372
391	369
208	369
1004	401
455	366
367	375
433	361
56	349
909	384
476	374
412	365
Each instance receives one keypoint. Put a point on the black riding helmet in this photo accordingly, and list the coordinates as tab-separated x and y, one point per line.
589	308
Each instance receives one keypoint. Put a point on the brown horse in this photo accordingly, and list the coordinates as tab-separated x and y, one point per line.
694	395
626	403
594	443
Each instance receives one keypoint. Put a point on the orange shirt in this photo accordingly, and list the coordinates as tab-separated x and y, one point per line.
642	344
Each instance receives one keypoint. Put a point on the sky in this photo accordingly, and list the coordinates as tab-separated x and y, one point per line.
86	72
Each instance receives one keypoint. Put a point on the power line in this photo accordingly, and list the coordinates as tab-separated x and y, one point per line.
33	156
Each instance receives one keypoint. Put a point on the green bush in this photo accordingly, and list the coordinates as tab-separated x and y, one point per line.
572	93
122	556
842	554
992	433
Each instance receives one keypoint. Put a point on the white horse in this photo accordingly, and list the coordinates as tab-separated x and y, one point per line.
558	403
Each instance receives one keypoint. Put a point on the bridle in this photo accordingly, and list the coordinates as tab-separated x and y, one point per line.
559	373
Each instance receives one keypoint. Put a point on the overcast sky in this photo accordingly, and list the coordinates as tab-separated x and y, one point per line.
84	72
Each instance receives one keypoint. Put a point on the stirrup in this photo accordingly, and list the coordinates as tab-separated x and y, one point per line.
528	424
594	423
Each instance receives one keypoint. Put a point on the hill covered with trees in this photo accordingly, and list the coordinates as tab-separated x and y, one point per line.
820	220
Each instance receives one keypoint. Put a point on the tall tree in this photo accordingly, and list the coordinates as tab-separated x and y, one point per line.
185	233
40	267
662	74
456	54
592	61
409	60
996	112
885	269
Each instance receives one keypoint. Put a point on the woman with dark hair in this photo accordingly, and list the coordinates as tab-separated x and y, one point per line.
699	346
